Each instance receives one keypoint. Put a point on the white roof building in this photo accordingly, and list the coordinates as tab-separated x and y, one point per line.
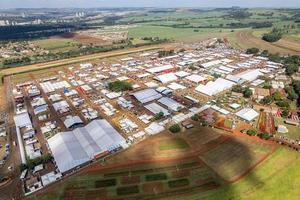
247	114
195	78
215	87
165	78
211	63
147	95
170	103
155	109
74	148
159	69
250	75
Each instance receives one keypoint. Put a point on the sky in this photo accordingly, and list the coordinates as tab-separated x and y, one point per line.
145	3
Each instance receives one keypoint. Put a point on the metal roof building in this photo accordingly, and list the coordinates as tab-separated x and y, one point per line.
147	95
74	148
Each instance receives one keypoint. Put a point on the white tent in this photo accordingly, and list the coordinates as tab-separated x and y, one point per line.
74	148
247	114
147	95
165	78
215	87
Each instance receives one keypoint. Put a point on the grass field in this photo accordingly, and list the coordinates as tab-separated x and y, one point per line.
276	178
174	143
229	159
139	181
294	131
177	34
57	44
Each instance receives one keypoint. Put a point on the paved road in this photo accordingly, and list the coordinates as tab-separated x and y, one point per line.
13	189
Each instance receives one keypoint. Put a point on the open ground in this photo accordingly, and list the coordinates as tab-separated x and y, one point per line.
198	160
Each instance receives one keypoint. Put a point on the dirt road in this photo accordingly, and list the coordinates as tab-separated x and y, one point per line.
282	47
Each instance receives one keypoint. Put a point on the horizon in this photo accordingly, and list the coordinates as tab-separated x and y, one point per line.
58	4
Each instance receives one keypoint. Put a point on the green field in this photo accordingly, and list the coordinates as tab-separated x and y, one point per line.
294	131
178	34
174	143
276	178
57	44
139	181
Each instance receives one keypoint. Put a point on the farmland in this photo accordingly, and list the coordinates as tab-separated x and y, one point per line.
57	44
269	180
165	165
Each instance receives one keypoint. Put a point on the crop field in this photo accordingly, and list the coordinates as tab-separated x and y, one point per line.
266	123
57	44
228	159
276	178
141	180
198	160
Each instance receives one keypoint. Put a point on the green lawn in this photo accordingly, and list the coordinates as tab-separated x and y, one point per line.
178	34
294	131
172	144
56	45
277	178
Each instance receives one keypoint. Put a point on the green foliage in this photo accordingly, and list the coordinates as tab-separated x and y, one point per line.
156	177
277	96
264	136
119	86
251	132
252	50
31	163
178	183
175	128
266	100
291	69
273	36
158	116
195	117
237	88
285	113
127	190
247	92
239	14
283	104
292	95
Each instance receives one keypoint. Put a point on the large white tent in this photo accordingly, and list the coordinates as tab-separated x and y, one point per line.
74	148
165	78
247	114
147	95
215	87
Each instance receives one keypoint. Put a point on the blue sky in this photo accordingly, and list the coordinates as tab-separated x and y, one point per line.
146	3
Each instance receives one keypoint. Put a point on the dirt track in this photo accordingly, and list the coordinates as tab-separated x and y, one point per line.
282	47
28	68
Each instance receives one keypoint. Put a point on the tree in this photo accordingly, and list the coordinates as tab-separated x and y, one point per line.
252	50
175	128
119	86
237	88
158	116
277	96
264	135
251	132
266	100
283	104
195	117
247	92
285	113
292	95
